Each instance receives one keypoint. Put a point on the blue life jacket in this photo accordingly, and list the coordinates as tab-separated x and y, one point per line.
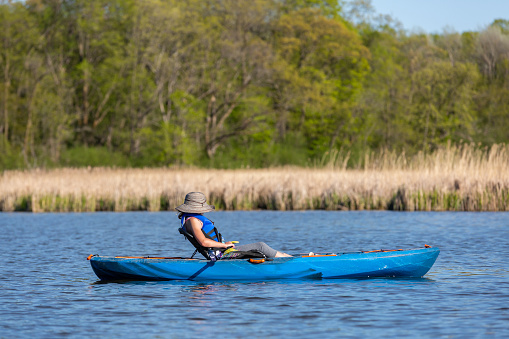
208	228
211	232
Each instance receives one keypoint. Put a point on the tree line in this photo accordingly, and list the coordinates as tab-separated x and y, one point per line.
228	83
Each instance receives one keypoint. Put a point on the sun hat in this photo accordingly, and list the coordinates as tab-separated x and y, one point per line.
195	202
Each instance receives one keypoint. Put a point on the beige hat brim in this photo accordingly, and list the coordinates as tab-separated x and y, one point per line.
185	208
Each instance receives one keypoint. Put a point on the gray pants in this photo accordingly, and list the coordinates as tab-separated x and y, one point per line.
260	246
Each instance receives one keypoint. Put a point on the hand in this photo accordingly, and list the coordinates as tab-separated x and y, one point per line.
229	244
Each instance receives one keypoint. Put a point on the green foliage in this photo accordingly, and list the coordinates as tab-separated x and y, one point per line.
92	156
10	158
225	84
443	103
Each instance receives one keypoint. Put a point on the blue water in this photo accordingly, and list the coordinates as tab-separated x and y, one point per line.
48	290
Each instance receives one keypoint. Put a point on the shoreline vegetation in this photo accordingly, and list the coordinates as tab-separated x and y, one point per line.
225	84
453	178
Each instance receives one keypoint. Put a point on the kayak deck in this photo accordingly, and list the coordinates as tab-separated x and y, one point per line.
380	263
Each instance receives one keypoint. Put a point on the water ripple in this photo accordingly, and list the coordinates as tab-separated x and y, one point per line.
48	289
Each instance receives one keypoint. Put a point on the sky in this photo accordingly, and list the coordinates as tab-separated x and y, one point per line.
433	16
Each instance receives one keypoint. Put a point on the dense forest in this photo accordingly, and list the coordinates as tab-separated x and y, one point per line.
229	84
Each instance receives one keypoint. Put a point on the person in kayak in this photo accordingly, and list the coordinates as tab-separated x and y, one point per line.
204	232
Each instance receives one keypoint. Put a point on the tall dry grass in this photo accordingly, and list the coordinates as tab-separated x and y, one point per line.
458	178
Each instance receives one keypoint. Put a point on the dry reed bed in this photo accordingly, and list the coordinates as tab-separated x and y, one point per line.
462	178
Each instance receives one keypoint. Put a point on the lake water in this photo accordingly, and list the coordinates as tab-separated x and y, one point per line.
48	290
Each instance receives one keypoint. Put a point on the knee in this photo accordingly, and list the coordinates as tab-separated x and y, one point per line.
261	245
267	250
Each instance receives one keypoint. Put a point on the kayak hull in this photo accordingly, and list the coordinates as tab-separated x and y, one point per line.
401	263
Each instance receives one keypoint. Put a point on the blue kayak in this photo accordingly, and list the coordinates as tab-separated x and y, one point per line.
380	263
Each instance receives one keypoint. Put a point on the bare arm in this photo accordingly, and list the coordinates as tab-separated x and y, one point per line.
195	225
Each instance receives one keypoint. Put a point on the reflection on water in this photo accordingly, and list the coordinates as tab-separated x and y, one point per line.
201	292
49	290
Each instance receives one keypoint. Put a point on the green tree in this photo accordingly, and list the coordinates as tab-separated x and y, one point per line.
380	119
321	66
442	103
18	37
